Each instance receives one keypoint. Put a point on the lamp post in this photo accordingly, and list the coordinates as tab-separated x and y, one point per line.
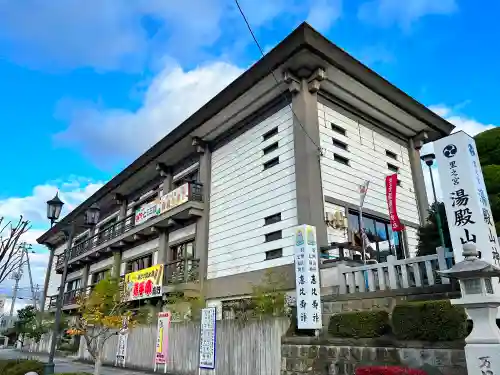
54	207
429	160
482	349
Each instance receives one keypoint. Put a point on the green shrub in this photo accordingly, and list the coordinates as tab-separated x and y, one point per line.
359	324
24	366
429	321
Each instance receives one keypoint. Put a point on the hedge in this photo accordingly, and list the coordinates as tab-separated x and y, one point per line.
20	367
429	321
359	324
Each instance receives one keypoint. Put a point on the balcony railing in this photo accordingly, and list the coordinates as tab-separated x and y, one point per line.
69	298
183	271
169	201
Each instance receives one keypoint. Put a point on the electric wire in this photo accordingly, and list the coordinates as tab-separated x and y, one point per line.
274	75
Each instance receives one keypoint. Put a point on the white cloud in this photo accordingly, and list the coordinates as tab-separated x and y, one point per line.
324	13
172	96
33	207
403	13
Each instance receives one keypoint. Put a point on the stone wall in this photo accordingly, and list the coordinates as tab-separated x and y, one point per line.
317	356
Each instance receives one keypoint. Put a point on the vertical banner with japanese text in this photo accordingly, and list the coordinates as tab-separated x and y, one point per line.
391	184
307	278
208	338
121	348
161	354
465	198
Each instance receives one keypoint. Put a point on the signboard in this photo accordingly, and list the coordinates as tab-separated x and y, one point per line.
391	184
121	349
146	212
174	198
465	198
207	338
161	353
145	283
307	278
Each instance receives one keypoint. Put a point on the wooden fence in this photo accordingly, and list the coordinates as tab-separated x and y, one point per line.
252	348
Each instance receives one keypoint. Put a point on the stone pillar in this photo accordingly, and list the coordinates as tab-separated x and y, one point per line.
201	239
47	277
310	202
117	263
418	181
85	276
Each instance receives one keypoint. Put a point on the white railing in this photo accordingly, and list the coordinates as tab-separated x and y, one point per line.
395	274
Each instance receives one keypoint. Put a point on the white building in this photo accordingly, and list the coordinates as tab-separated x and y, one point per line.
218	196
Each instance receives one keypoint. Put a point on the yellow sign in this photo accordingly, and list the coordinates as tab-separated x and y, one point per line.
145	283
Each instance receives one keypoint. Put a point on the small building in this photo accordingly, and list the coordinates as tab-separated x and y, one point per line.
288	142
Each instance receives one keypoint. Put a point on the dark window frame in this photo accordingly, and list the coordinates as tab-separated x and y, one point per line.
341	159
393	168
274	254
274	236
272	147
391	154
271	163
269	134
272	219
342	145
130	263
338	129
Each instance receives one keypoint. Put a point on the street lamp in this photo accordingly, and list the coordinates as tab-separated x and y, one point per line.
429	160
54	207
91	218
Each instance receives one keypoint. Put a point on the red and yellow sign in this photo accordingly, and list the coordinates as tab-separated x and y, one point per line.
145	283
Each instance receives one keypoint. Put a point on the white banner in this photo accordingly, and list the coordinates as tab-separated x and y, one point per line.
161	353
208	338
121	349
464	195
307	278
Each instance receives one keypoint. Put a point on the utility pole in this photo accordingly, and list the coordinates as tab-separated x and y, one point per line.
16	276
25	249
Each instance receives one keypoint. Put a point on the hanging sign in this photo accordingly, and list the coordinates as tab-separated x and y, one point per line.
121	349
207	338
146	212
161	353
391	184
145	283
307	278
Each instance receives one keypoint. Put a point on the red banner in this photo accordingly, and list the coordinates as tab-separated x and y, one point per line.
391	183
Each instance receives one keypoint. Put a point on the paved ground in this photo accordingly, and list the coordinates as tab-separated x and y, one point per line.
65	364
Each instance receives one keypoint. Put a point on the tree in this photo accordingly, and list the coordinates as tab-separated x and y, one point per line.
102	314
489	156
10	253
32	324
428	235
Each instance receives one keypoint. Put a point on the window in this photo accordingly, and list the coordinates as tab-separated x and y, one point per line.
190	177
80	239
381	241
107	229
98	276
271	163
338	129
270	133
273	254
340	159
339	144
183	266
273	236
272	219
391	155
270	148
140	263
392	168
399	182
73	285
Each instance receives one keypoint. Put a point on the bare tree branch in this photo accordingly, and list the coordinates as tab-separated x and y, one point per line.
10	253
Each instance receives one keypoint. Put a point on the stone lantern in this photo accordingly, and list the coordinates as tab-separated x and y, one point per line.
482	349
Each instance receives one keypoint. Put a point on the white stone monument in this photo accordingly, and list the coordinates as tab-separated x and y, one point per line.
482	349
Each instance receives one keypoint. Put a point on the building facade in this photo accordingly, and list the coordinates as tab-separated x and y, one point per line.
289	142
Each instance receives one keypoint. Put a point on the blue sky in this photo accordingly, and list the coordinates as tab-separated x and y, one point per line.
88	85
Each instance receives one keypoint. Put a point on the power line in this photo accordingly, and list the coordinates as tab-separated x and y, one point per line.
274	75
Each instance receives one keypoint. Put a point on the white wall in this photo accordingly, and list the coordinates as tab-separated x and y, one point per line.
55	279
181	233
412	236
74	275
243	194
366	151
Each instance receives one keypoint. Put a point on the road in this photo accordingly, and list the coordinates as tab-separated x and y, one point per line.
65	364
